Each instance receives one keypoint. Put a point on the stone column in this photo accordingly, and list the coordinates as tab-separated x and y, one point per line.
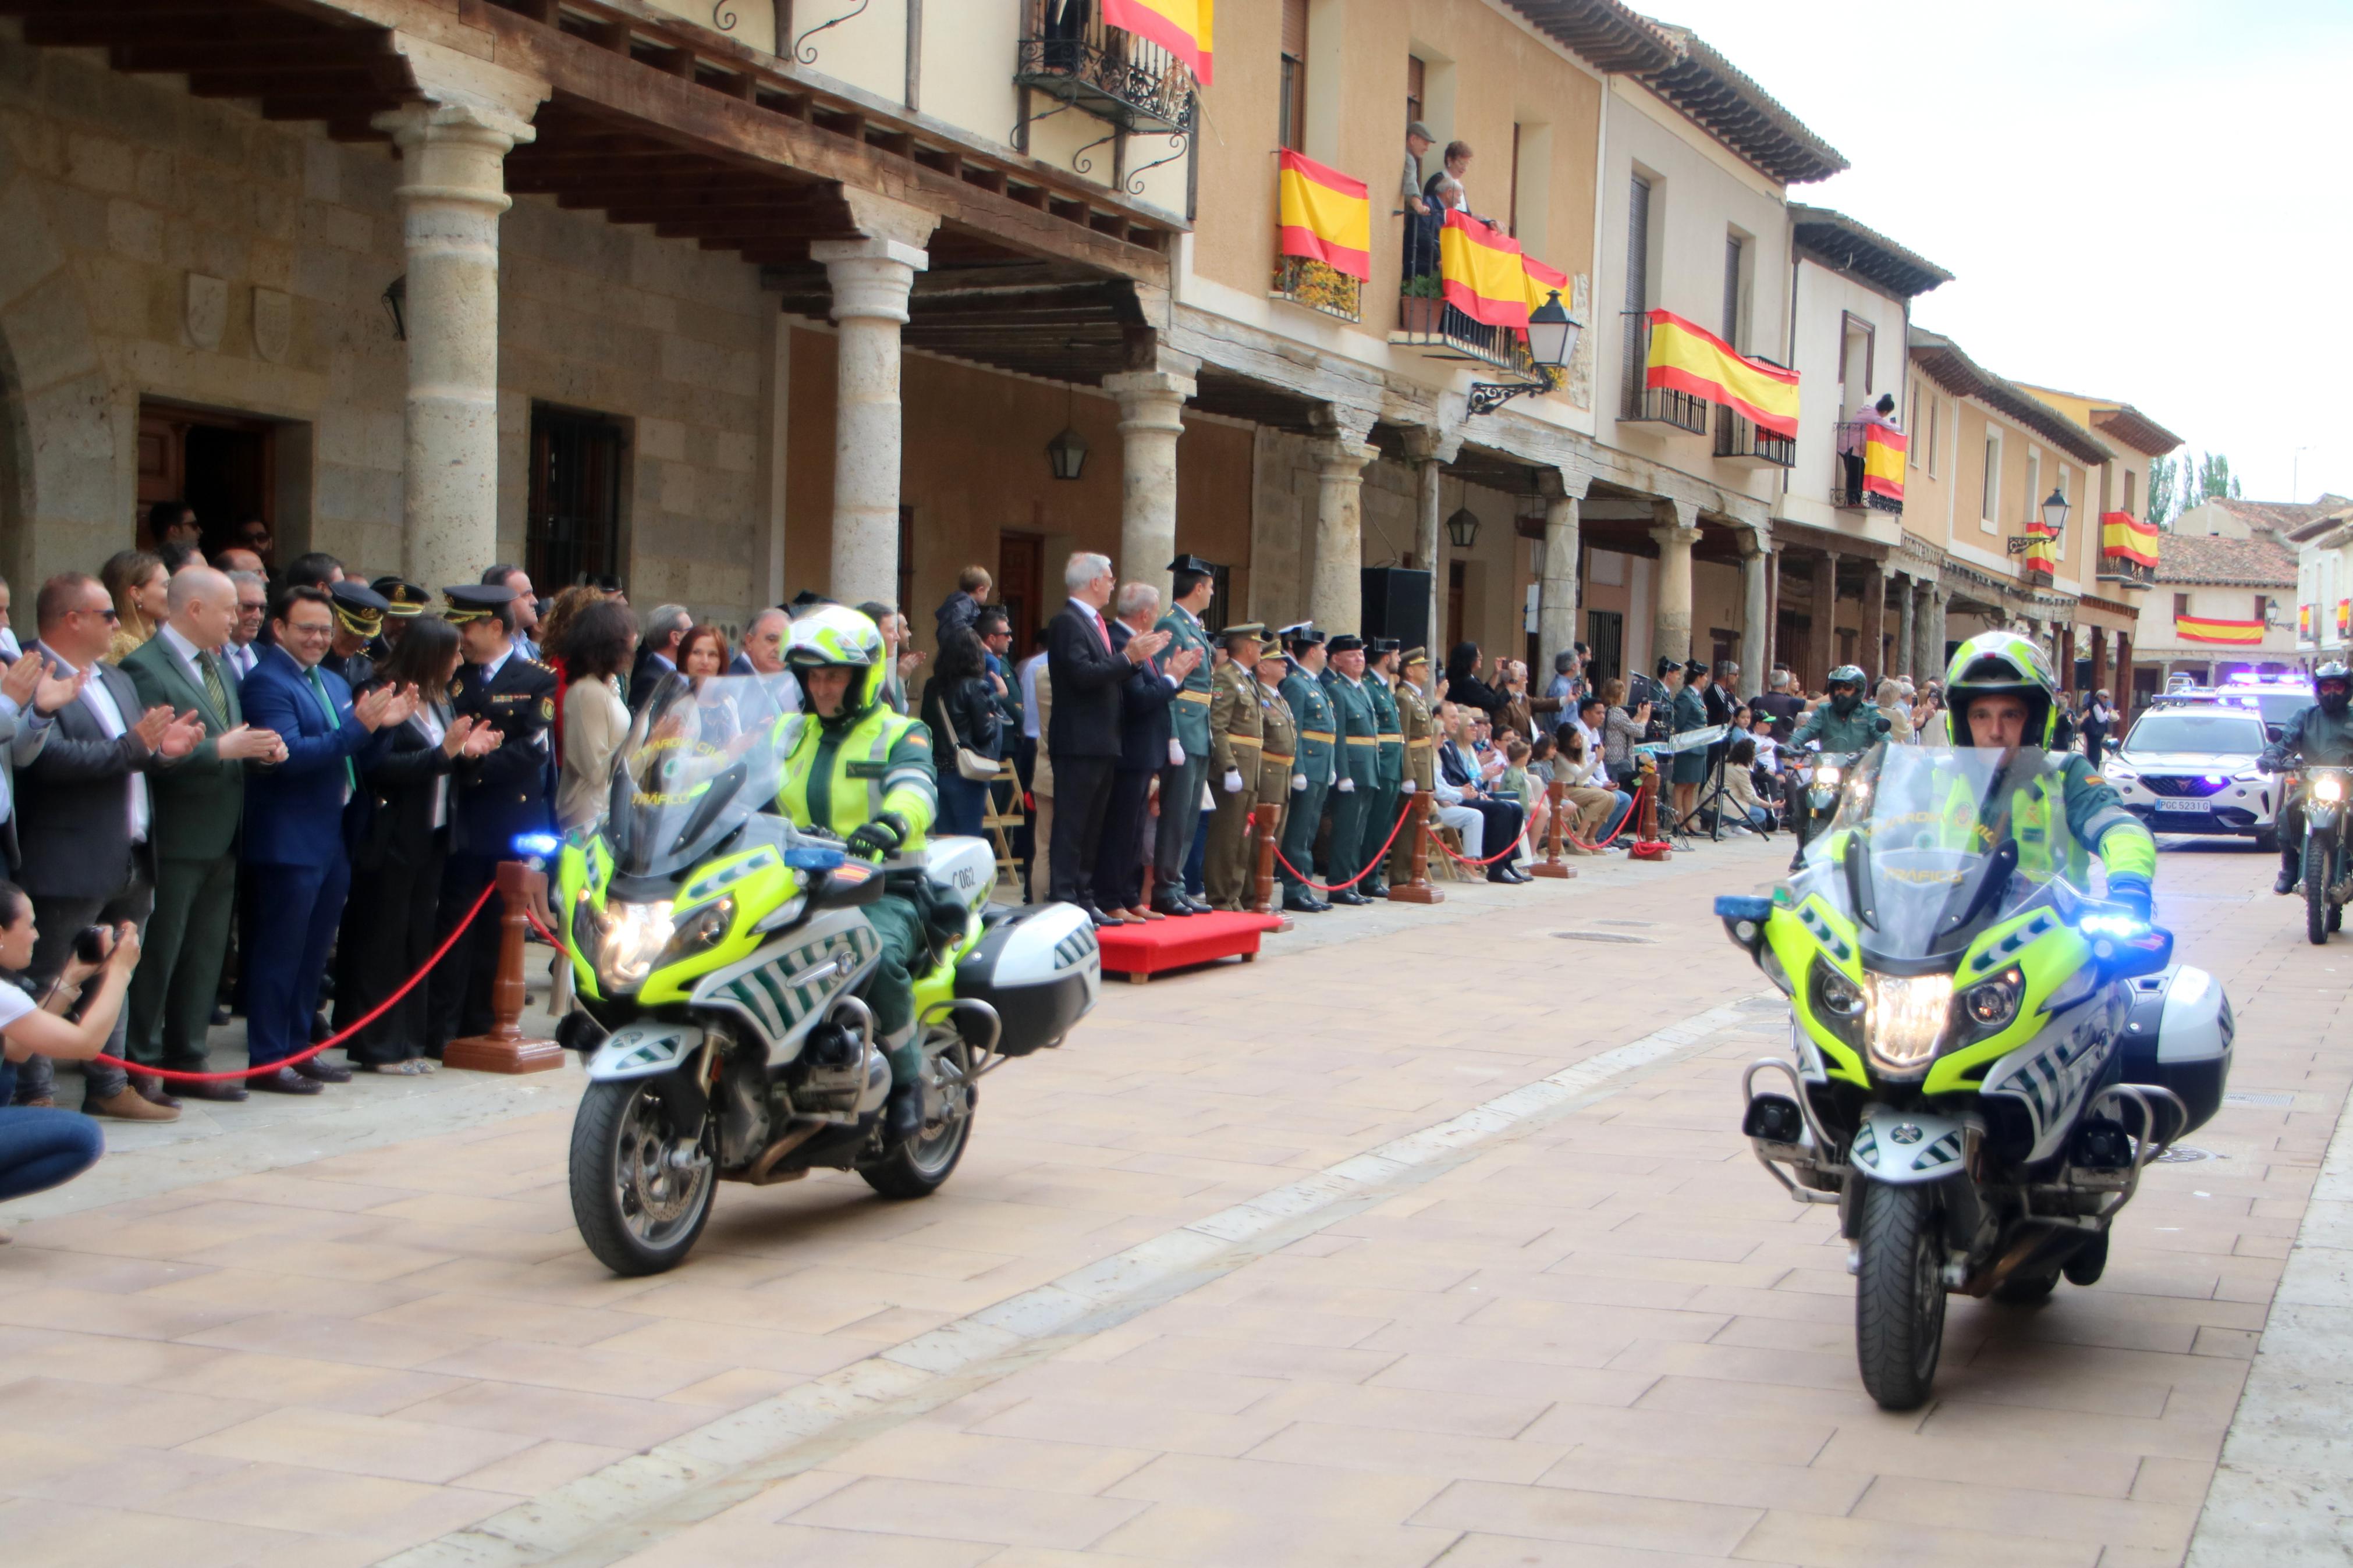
1556	591
2099	658
1431	450
452	192
2067	658
1825	638
1907	647
1151	417
1874	623
2124	681
1671	626
1756	611
871	279
1939	598
1336	591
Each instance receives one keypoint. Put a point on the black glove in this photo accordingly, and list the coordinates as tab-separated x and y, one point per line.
2269	763
879	839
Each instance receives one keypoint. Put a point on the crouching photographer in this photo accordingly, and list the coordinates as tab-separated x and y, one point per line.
41	1148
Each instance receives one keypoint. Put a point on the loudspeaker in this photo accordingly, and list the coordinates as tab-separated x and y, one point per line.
1397	604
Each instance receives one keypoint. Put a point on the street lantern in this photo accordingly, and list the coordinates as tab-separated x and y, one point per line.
1553	333
395	305
1068	453
2054	513
1462	528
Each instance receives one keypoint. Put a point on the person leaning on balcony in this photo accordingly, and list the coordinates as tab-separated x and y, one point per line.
1881	413
1446	189
1421	216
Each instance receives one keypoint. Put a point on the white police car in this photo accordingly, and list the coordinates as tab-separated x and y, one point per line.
2189	767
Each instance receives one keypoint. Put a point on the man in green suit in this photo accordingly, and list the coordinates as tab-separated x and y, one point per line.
1381	812
1359	762
1312	771
197	803
1188	766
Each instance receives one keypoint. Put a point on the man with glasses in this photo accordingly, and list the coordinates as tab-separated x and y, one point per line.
86	819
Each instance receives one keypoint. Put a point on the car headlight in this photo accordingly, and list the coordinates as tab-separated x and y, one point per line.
1990	1005
633	937
2328	788
1907	1018
2117	772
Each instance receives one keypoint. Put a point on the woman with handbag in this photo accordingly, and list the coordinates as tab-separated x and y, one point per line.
960	706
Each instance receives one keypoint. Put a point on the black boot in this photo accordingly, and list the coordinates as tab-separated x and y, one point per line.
902	1114
2286	881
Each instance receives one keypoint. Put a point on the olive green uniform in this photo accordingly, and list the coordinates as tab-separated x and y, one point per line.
1236	736
1421	748
1359	762
1310	713
1381	811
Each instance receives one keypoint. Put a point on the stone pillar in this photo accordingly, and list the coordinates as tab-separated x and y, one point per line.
453	191
1671	626
1557	592
1907	647
871	279
2099	658
1336	591
1756	612
2067	658
1940	599
1151	417
1825	638
2124	682
1431	450
1874	623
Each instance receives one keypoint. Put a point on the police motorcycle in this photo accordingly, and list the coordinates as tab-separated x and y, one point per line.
2319	789
1814	779
719	953
1984	1057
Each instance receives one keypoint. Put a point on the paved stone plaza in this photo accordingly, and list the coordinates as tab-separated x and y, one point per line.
1174	1308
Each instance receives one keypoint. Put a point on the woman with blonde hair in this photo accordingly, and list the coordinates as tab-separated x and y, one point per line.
135	580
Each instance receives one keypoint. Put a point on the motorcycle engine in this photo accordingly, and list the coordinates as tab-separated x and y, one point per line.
742	1112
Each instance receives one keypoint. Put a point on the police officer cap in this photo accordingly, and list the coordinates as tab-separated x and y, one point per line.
1255	630
359	608
472	601
1192	564
1414	655
1669	664
1346	642
1299	635
1695	668
403	600
1379	646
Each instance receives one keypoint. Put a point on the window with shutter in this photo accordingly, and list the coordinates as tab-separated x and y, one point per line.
1292	129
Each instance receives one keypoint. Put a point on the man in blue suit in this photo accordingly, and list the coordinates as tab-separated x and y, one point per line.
294	849
1145	730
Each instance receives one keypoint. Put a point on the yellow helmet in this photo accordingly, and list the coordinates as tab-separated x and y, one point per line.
2002	664
836	635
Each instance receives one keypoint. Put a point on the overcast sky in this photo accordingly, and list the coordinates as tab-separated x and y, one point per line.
2140	199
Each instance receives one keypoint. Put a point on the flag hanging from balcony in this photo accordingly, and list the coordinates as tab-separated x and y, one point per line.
2041	550
1181	27
2303	622
1325	217
2344	618
2230	633
1690	359
1882	462
1481	272
1543	282
2123	537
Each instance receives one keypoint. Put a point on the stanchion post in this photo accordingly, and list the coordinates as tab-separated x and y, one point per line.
1556	791
1649	848
1263	901
1418	890
506	1048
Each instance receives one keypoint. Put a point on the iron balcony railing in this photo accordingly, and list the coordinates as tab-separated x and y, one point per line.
1305	282
1739	439
1654	406
1070	53
1448	333
1846	483
2128	574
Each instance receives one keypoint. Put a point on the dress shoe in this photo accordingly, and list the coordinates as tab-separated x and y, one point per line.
285	1081
225	1090
1200	906
1136	913
321	1071
220	1017
1173	908
1350	896
1100	918
151	1089
126	1104
1300	904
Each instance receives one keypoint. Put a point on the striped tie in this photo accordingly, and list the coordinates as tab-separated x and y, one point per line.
213	689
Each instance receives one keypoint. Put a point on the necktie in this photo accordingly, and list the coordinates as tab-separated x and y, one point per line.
1102	631
213	690
351	773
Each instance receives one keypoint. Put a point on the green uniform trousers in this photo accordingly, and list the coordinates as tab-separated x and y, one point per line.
186	941
891	993
1299	837
1347	846
1380	816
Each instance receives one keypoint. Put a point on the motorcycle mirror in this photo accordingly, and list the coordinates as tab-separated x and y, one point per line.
2124	947
1743	916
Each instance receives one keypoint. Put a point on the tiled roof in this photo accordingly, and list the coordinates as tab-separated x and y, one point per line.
2209	561
1963	376
1839	241
2280	516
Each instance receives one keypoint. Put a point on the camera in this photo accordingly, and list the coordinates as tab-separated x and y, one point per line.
90	943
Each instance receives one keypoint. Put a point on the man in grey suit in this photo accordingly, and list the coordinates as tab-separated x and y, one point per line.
29	695
87	818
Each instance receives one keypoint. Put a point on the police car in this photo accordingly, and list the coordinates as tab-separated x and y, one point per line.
2189	766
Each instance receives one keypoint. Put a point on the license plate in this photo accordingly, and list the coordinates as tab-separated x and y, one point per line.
2184	807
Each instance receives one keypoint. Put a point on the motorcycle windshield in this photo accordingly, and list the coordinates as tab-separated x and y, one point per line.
1922	854
703	754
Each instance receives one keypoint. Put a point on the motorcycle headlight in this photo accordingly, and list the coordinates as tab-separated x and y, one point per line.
2328	789
1836	994
1907	1018
704	928
633	937
1990	1005
1825	777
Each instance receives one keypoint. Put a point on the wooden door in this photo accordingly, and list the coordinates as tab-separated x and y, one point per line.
222	464
1021	570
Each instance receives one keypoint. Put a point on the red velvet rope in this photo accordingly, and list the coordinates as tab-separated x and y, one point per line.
1380	856
337	1039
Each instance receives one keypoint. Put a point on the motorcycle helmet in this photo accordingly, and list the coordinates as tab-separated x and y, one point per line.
838	635
1845	701
2002	664
2332	687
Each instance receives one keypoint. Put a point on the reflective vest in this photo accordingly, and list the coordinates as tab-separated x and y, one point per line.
838	780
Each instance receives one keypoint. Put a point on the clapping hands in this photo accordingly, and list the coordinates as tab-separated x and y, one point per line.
52	693
1184	662
246	743
469	737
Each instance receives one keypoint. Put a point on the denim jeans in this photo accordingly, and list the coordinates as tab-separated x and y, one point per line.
963	803
40	1148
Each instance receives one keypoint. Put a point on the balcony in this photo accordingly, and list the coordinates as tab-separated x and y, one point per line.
2126	574
1067	53
1304	281
1739	442
1846	483
1649	405
1444	333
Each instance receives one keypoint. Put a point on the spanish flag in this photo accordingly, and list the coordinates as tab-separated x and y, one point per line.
2304	620
1882	462
2231	634
1481	272
2041	550
1325	217
1544	282
1690	359
2344	618
2123	537
1181	27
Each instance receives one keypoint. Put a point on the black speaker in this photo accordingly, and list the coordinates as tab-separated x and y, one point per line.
1397	604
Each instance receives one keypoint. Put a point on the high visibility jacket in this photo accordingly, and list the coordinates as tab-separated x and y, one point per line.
2088	818
837	778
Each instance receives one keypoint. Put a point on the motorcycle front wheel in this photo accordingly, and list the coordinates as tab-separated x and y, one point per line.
1899	1294
2319	875
921	1165
638	1209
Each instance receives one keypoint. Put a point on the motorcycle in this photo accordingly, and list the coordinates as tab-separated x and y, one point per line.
2327	867
720	954
1984	1058
1814	782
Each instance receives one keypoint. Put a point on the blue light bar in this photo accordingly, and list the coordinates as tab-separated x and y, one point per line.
2123	928
813	857
537	846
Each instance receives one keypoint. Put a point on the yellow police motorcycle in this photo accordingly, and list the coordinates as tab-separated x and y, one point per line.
719	953
1984	1057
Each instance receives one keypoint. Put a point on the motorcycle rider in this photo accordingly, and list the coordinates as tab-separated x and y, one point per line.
860	770
2321	734
1841	724
2002	693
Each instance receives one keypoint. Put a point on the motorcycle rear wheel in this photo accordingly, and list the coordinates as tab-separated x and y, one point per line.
1899	1294
638	1213
2319	873
921	1165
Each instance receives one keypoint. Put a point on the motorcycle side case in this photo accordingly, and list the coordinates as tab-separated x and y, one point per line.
2177	1036
965	866
1040	968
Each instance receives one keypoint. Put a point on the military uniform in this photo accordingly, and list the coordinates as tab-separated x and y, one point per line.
1236	737
1381	811
1419	729
1358	765
1189	718
359	618
1277	758
1311	713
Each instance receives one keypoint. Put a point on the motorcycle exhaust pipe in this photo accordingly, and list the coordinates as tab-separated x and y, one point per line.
2041	1246
759	1173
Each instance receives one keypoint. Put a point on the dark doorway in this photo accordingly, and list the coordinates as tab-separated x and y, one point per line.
572	517
1605	634
1020	567
1454	576
1789	637
907	563
220	464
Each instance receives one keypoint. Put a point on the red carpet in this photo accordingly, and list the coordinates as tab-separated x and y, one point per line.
1140	952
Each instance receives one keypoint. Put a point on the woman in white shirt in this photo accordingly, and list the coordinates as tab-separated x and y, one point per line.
602	640
42	1148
